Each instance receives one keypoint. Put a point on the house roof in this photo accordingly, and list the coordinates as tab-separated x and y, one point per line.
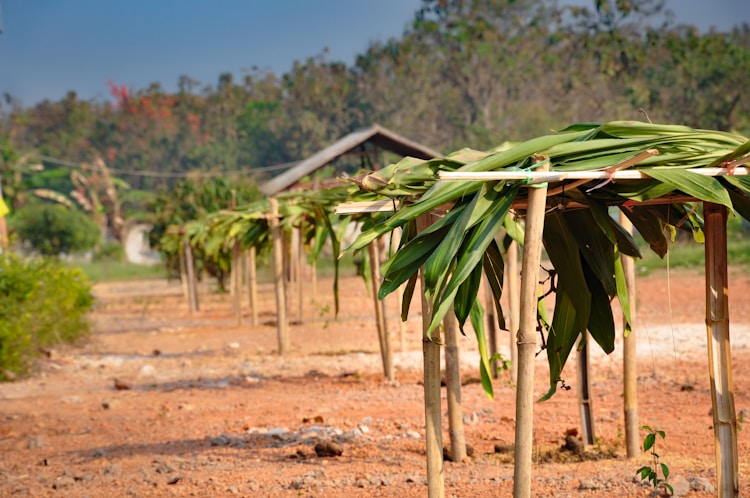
375	134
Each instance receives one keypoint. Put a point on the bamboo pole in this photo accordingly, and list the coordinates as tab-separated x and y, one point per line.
539	176
432	408
184	277
453	389
585	403
192	284
629	357
252	283
532	252
383	339
236	276
299	264
282	324
719	354
512	273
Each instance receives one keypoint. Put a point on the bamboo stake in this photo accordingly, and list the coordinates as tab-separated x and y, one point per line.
511	267
432	408
532	252
184	277
236	276
314	279
252	283
719	354
282	324
453	389
192	284
299	263
585	403
629	363
384	311
385	347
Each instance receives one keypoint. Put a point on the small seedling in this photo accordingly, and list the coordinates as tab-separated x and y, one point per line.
648	472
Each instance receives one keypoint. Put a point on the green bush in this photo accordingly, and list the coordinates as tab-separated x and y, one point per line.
42	303
52	229
110	250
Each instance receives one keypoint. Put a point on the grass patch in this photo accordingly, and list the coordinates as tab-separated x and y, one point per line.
690	254
110	271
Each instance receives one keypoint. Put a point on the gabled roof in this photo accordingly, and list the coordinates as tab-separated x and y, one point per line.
376	135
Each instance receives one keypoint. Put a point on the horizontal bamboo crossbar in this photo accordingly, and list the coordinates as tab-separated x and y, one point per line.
541	176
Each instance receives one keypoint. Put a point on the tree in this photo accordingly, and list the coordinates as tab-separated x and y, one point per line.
54	229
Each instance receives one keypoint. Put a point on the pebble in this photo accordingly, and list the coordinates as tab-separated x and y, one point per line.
147	371
108	404
277	432
34	442
328	449
701	484
222	440
63	482
680	486
589	484
413	434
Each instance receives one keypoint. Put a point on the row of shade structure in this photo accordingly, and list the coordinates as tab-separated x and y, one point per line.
459	218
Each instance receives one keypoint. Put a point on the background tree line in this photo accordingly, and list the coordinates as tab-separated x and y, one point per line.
464	73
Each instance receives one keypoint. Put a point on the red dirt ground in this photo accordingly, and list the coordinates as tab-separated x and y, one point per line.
209	408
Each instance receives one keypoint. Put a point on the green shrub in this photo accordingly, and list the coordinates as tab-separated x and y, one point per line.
52	229
110	250
42	303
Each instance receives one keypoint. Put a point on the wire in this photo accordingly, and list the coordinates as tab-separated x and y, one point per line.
170	174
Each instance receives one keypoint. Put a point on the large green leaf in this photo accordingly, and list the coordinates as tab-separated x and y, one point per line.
436	268
649	226
472	252
477	323
601	324
494	268
564	253
596	249
562	336
705	188
613	230
468	293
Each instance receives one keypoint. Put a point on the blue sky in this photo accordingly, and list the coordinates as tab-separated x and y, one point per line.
49	47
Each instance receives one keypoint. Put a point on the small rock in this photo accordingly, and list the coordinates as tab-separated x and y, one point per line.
233	345
108	404
147	371
122	385
277	432
222	440
367	421
113	470
413	434
328	449
63	482
585	484
34	442
680	486
573	444
701	484
233	490
174	480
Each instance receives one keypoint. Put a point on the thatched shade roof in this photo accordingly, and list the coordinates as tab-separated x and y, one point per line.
376	135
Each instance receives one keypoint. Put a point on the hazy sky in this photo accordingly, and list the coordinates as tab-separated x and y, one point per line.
48	47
